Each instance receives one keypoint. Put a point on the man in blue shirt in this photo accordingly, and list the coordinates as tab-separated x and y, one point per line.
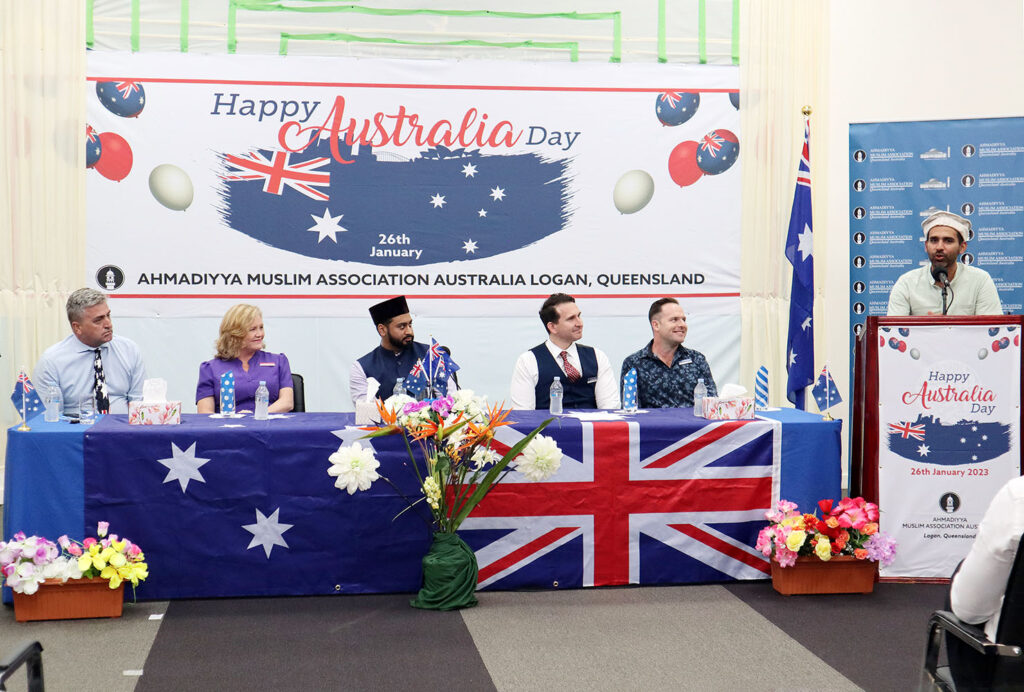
92	363
667	371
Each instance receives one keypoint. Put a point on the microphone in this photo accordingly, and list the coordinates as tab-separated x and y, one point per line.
939	274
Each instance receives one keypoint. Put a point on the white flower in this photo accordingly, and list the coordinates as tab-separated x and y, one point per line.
484	456
540	460
470	405
355	467
395	402
433	492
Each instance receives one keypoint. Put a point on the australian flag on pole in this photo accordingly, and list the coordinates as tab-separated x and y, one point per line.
825	392
799	245
26	395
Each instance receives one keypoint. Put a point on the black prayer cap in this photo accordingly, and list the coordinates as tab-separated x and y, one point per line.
392	307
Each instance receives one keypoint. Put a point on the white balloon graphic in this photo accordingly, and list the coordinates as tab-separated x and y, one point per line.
171	187
982	354
633	191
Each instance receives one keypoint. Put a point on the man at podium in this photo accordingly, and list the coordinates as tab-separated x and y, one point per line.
944	286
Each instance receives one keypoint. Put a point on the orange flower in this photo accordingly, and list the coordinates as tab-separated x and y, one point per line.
860	554
832	522
869	529
476	434
423	430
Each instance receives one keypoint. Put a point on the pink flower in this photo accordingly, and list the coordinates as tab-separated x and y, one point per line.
7	570
74	549
764	541
101	528
89	542
64	541
20	536
784	556
134	550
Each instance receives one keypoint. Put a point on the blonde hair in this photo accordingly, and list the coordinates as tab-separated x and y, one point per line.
234	328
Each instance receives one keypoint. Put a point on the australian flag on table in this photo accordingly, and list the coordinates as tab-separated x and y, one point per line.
799	247
25	397
384	209
681	510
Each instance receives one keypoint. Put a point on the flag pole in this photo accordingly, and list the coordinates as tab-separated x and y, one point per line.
24	421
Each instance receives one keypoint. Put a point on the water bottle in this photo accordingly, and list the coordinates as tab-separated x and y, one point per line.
699	392
399	389
262	401
555	395
54	405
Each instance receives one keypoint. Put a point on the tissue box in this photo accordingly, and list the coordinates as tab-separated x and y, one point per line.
366	412
728	409
161	413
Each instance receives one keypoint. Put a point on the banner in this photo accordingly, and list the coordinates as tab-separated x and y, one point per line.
949	406
332	183
900	173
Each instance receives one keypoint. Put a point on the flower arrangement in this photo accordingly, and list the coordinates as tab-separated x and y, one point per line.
458	463
26	562
848	528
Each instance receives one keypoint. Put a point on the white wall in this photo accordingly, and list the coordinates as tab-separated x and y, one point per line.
900	61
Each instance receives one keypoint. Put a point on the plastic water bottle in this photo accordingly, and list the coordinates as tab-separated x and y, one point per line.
555	395
262	401
399	387
54	405
699	392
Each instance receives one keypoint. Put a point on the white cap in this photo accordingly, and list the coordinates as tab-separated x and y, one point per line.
947	218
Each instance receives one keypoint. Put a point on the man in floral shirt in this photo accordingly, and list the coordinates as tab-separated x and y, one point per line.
666	371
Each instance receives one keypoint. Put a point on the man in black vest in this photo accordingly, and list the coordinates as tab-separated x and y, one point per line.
396	354
585	373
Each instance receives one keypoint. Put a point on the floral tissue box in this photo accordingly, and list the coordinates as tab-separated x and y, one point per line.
160	413
728	409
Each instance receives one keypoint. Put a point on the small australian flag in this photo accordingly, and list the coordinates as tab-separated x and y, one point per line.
24	391
826	394
416	380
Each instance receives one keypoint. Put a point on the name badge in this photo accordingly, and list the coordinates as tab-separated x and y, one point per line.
268	365
592	380
685	361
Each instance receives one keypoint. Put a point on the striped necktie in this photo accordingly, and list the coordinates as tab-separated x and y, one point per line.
570	370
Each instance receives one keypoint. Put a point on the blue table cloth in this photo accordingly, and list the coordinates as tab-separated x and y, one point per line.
233	507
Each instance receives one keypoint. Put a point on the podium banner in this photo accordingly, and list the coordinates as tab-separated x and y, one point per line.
948	403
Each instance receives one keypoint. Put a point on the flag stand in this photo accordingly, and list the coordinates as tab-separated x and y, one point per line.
24	427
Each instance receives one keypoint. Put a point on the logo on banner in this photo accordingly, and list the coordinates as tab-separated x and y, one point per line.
949	503
954	408
109	277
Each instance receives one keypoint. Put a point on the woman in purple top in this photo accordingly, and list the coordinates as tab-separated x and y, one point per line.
240	350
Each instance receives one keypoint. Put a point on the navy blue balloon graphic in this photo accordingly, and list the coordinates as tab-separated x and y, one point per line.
676	107
93	147
904	331
734	99
126	99
717	151
992	331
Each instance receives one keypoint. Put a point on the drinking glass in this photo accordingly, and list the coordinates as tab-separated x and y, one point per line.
87	411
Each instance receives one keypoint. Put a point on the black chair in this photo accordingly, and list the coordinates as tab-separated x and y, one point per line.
1002	661
29	654
298	393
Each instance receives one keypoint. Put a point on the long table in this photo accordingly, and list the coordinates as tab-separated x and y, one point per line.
243	507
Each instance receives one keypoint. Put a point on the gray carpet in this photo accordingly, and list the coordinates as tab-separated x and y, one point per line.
740	636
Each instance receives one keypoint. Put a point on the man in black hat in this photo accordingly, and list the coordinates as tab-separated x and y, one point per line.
395	356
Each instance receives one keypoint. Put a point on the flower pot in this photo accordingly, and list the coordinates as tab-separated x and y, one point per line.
75	598
449	575
841	574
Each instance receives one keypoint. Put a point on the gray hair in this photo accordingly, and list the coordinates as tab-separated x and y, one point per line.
81	300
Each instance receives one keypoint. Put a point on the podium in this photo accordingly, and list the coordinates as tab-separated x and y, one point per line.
935	431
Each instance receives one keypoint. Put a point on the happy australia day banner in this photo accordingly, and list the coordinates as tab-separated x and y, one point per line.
333	182
949	406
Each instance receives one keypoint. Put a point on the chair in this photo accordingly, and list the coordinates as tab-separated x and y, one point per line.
29	654
1005	655
298	393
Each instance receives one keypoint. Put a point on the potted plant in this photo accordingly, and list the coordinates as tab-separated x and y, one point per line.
449	442
837	552
68	579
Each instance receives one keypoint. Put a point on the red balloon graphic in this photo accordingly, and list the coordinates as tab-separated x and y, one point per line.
682	164
116	160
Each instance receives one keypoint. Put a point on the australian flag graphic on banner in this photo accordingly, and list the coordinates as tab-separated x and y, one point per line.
927	440
381	209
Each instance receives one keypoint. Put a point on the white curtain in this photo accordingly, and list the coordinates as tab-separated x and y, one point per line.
783	67
42	189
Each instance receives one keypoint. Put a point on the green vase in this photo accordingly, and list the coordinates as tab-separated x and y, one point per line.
449	575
